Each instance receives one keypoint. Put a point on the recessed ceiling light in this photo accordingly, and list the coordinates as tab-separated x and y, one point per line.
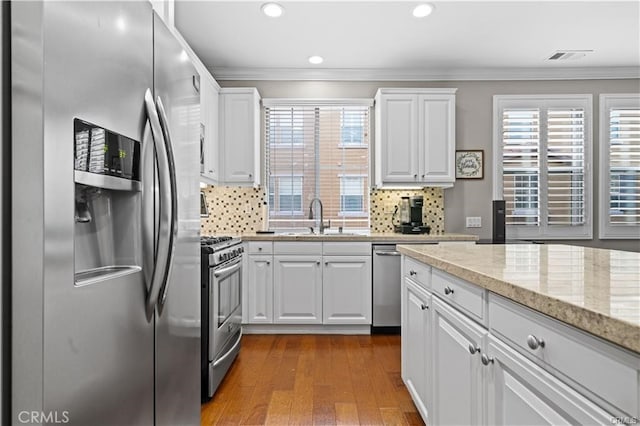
272	10
316	60
422	10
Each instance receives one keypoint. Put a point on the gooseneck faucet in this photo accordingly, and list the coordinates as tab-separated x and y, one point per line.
321	228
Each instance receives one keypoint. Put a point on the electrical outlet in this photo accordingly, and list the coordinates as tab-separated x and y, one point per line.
474	222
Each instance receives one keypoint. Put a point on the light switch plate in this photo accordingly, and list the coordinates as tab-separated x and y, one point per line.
474	222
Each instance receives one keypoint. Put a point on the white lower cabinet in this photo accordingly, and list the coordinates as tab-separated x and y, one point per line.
457	373
259	305
297	290
416	344
521	393
346	291
461	372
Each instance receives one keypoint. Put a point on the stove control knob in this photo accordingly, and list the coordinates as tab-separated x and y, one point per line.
220	259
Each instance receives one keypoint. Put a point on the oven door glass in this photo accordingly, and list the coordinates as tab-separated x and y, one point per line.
228	282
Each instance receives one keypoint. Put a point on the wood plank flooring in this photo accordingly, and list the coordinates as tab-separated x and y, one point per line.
313	380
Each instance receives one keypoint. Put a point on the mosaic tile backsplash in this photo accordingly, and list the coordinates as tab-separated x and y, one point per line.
237	210
384	202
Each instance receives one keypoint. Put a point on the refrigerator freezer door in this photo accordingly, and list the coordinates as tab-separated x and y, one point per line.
178	314
93	360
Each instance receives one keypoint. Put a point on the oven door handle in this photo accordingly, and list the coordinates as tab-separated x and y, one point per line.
228	270
229	352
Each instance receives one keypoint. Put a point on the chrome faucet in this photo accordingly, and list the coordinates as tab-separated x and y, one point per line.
321	228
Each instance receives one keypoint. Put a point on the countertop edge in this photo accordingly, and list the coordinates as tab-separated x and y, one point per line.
390	237
595	323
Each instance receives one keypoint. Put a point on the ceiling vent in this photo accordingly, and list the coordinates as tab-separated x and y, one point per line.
568	55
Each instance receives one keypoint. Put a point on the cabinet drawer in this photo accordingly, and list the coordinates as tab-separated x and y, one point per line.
346	248
297	247
260	247
601	368
418	272
470	299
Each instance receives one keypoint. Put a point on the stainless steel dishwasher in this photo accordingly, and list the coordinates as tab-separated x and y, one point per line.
386	289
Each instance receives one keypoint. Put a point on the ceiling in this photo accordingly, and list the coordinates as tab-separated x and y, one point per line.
381	40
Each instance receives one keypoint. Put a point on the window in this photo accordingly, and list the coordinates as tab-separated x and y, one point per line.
351	128
352	197
327	158
620	166
542	147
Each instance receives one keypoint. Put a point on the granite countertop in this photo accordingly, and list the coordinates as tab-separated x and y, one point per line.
390	237
595	290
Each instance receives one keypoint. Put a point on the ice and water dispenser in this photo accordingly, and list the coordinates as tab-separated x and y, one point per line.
108	204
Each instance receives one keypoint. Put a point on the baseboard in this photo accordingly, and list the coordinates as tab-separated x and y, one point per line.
305	329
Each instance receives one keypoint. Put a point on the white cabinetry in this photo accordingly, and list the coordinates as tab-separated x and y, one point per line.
519	392
209	141
259	289
302	283
415	137
297	292
346	289
458	379
416	344
524	368
240	136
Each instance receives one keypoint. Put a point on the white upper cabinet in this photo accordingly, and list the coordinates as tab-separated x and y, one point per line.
240	136
415	138
209	142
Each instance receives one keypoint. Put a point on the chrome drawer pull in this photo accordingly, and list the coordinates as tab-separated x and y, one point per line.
448	290
412	273
535	342
423	307
474	349
486	360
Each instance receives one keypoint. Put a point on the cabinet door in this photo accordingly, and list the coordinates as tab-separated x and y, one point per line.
457	374
297	295
209	150
416	345
397	153
260	290
436	133
346	284
521	393
239	133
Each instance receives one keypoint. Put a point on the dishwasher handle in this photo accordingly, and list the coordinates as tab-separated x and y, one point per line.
387	253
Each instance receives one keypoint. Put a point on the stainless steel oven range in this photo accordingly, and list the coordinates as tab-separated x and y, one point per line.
221	308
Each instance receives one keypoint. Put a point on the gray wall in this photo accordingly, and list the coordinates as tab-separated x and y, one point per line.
474	126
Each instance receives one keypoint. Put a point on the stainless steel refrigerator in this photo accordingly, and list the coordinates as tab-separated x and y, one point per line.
104	220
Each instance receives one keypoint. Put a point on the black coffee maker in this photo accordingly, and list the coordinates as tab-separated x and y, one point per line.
411	216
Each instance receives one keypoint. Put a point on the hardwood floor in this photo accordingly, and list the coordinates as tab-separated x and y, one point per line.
313	380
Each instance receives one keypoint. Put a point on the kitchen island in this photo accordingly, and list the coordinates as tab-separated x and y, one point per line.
528	334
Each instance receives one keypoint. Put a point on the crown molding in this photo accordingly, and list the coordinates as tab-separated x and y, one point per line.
371	74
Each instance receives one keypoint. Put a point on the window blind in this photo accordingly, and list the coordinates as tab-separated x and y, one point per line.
317	151
624	166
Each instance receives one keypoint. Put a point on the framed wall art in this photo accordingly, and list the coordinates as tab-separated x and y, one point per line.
470	164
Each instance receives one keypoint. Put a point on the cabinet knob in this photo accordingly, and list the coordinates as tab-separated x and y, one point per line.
412	273
486	360
474	349
423	307
326	263
535	342
210	171
448	290
423	176
268	263
415	176
250	176
318	262
259	248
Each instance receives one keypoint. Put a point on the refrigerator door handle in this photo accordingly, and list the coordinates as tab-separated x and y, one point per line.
174	199
164	239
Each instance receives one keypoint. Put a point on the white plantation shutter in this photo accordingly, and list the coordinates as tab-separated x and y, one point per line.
314	149
566	166
542	153
620	166
521	165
